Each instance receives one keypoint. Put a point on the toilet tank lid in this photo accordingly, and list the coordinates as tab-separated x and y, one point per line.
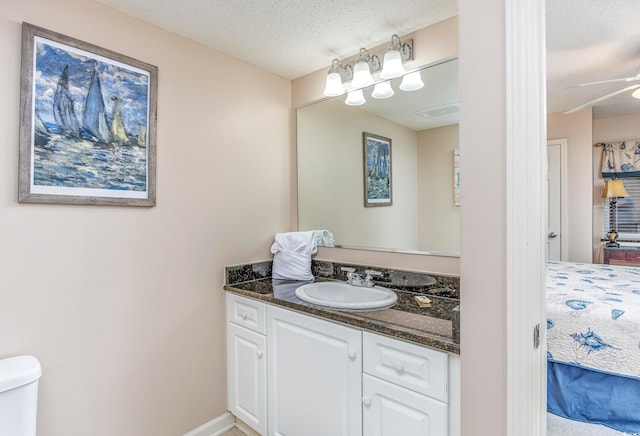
18	371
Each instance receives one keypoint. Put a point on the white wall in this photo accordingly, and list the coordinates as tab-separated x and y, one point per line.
124	306
331	180
438	217
577	129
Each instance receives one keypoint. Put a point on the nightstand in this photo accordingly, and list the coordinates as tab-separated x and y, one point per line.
629	256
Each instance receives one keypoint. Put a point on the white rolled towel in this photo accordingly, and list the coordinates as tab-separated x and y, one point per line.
324	238
292	255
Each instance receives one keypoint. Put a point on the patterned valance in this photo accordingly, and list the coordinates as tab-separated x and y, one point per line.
621	159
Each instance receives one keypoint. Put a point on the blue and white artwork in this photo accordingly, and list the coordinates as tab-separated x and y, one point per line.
90	121
377	153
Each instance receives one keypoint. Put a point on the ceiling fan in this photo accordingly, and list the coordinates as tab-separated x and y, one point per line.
635	94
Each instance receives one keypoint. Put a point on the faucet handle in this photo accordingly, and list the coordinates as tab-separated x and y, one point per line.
368	280
349	272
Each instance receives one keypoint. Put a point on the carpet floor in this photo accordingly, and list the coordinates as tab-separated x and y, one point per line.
557	426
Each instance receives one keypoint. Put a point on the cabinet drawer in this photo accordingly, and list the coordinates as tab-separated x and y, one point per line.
420	369
247	312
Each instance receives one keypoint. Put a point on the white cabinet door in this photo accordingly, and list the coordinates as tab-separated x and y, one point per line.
391	410
247	376
315	371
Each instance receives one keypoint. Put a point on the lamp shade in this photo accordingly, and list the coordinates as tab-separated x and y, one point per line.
355	98
382	90
614	189
333	86
392	65
361	75
636	94
412	81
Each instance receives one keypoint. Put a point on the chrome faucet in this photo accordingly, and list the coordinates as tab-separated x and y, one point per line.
356	279
353	278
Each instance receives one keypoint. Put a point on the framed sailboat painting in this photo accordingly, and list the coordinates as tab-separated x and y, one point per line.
87	123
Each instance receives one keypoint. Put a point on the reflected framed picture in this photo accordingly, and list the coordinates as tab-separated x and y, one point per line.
87	123
378	189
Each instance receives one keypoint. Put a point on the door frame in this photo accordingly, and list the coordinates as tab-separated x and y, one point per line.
502	269
564	242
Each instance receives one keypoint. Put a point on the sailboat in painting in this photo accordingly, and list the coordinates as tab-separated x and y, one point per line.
63	111
95	126
118	130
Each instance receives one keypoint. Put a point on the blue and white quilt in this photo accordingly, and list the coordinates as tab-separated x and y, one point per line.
593	316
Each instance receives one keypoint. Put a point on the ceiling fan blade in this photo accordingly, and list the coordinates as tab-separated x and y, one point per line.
622	79
598	100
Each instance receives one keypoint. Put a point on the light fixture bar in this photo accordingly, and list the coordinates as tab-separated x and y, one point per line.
405	48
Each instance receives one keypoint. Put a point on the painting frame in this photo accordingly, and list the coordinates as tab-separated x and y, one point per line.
378	180
98	149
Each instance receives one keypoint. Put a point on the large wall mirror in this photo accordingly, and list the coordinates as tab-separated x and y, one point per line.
423	128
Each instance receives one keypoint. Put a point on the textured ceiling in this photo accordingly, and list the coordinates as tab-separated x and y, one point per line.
587	40
288	37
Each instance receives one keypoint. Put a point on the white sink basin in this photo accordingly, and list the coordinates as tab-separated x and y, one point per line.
339	295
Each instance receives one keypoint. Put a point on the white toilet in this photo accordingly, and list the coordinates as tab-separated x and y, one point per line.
19	395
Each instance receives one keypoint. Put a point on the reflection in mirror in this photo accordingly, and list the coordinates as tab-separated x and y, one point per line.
423	128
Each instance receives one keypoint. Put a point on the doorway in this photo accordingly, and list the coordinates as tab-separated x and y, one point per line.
556	239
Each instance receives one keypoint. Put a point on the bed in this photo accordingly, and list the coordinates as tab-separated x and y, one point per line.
593	344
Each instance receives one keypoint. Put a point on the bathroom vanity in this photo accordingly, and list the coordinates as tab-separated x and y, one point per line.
298	369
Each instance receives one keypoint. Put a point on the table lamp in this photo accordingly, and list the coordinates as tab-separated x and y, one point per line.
613	189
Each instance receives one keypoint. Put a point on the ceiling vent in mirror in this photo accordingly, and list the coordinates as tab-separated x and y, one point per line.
439	112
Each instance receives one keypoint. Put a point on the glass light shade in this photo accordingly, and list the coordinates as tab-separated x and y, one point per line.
412	81
392	65
355	98
361	75
382	90
334	86
614	189
636	94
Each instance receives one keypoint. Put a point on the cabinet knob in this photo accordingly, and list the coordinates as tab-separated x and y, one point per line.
366	401
243	316
259	354
398	367
351	354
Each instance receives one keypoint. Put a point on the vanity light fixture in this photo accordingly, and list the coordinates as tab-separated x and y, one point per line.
382	90
412	81
359	73
334	87
393	58
355	98
362	71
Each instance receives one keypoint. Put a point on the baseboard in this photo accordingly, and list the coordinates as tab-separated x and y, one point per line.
244	428
215	427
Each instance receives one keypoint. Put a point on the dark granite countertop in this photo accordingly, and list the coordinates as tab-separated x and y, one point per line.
430	326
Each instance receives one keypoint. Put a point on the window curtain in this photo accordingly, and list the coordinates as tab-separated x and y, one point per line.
621	159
